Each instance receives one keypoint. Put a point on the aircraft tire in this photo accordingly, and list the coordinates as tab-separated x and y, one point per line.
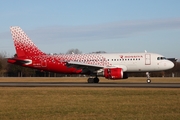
148	80
96	80
90	80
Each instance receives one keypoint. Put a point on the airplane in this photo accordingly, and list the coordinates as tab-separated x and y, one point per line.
114	66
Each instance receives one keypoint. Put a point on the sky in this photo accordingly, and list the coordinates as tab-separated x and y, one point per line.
56	26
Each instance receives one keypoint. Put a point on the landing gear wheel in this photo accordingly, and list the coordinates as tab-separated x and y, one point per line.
90	80
93	80
148	80
96	80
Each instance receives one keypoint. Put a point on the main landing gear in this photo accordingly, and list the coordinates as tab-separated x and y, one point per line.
148	77
93	80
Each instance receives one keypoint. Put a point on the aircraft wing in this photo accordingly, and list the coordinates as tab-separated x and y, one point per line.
90	67
84	66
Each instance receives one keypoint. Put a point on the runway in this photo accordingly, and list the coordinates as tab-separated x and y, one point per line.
83	84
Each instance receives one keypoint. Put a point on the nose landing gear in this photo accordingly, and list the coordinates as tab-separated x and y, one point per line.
148	77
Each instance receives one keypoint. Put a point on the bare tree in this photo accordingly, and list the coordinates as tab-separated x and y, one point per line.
74	51
3	63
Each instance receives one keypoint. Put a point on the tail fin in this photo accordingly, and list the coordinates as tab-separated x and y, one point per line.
23	45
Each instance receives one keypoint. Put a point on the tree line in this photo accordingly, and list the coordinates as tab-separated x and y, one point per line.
11	70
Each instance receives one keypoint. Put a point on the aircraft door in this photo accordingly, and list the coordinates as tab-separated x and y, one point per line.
147	59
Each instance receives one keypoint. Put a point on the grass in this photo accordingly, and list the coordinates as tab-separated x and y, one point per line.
92	103
73	103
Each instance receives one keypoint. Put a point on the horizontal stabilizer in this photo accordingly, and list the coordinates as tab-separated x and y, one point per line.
19	61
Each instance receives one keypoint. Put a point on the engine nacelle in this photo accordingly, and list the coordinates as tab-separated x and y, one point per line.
114	73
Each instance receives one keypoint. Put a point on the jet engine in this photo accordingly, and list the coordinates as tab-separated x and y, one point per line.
114	73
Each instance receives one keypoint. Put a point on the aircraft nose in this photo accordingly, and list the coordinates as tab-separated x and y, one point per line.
170	65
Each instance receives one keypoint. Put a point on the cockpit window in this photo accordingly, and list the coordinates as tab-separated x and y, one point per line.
161	58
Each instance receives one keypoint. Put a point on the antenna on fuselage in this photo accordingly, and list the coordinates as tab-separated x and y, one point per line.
145	51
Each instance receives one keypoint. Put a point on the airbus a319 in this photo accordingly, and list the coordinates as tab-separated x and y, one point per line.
111	66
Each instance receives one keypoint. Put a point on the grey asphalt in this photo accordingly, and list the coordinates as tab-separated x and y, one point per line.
83	84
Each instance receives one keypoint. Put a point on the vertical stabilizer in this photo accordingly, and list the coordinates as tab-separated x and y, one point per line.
23	44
